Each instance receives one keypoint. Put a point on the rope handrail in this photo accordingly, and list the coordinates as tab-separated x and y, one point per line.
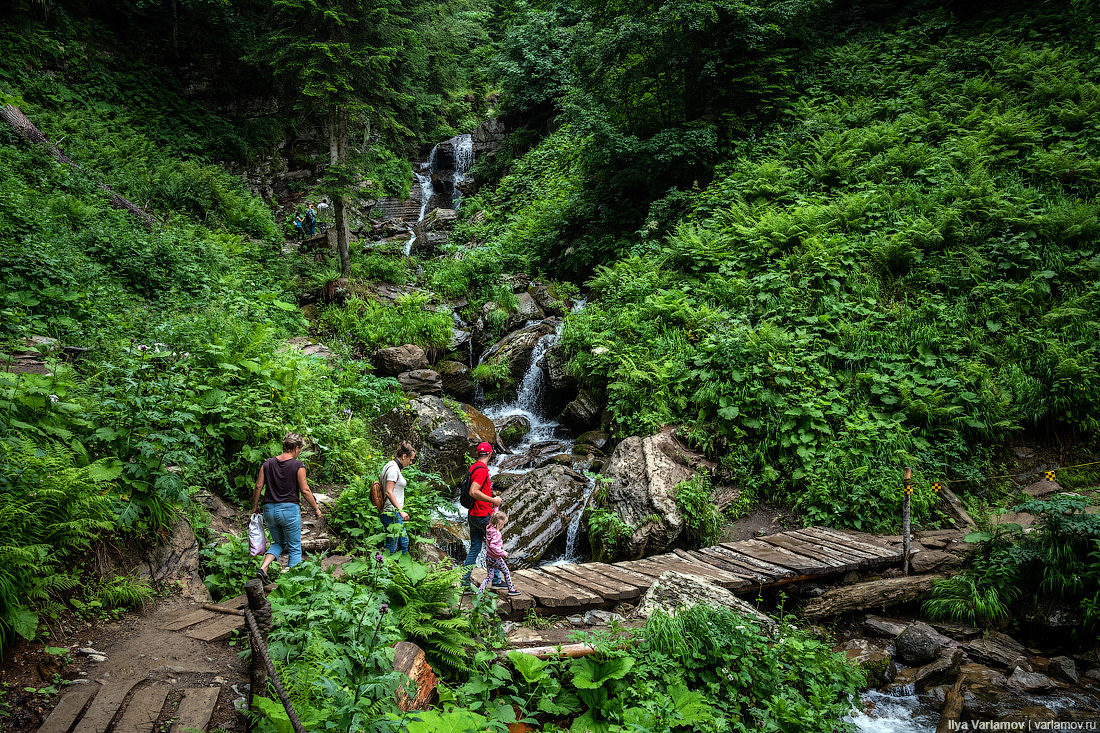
259	648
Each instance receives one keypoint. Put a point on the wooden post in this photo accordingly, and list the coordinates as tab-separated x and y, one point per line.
261	611
905	509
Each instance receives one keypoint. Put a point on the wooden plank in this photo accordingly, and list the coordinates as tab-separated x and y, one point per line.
782	556
626	590
751	578
622	566
585	596
828	542
68	710
739	557
554	593
678	565
238	602
734	577
864	558
143	710
841	538
196	708
837	561
188	619
724	561
607	588
217	630
105	706
639	582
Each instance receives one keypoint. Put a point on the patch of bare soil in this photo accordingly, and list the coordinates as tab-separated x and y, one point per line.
134	646
762	520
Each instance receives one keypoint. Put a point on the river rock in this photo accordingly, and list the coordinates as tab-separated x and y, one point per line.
448	436
528	308
920	643
540	508
1030	681
875	661
928	560
394	360
942	671
641	476
549	299
504	481
582	413
883	626
512	430
995	648
1063	668
457	380
596	439
515	349
421	381
675	591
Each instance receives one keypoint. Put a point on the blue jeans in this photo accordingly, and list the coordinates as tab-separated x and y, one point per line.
393	543
477	541
284	522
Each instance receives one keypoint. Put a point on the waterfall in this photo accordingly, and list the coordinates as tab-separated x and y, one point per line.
462	159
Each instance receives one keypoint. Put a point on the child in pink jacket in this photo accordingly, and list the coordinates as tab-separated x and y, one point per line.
495	552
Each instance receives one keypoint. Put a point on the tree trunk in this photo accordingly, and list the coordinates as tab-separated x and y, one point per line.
26	130
337	151
874	594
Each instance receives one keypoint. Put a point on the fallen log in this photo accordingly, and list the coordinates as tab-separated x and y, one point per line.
569	651
870	595
952	709
30	134
223	609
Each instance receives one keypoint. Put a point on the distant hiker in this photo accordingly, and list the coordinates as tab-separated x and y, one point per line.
311	219
481	491
322	210
298	230
285	478
393	489
495	552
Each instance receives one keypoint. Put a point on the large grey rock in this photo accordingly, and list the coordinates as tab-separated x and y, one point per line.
1030	681
642	474
528	308
554	363
458	381
421	381
540	508
995	648
920	643
513	429
583	413
674	591
515	349
394	360
1063	668
488	137
447	436
941	671
884	626
549	299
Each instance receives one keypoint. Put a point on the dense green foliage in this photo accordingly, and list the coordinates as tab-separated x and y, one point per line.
901	270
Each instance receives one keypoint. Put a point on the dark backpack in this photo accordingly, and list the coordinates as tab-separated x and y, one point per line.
464	497
310	216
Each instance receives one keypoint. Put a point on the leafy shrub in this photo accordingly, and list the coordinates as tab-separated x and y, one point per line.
701	517
123	591
373	325
229	565
965	598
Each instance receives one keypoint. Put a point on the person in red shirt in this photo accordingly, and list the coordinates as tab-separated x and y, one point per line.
481	491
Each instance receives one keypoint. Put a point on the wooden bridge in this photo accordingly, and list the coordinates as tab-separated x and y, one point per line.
741	567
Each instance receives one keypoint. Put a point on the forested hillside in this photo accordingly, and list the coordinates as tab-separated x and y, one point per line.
894	262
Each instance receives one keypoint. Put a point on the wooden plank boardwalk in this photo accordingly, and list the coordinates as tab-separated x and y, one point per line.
742	567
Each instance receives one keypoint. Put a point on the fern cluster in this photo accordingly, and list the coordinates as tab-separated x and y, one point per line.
425	601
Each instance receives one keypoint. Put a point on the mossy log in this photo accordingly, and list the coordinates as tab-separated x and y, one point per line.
870	595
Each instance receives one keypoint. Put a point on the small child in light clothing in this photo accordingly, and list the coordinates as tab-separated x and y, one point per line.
495	552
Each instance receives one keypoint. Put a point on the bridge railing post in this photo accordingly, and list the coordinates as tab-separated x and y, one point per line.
907	480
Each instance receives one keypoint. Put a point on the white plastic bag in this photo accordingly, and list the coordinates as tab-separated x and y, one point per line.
257	538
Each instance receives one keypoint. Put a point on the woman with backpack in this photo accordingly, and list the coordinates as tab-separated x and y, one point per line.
393	492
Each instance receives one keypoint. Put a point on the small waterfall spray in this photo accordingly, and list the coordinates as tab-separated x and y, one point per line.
462	159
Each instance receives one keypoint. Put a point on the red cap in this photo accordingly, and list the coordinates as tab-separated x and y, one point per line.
484	448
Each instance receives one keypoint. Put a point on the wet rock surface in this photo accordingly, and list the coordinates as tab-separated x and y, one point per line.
674	591
920	643
540	506
392	361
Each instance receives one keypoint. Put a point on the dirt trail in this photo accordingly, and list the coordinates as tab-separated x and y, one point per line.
145	678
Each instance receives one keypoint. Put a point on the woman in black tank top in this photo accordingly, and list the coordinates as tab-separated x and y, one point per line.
285	478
